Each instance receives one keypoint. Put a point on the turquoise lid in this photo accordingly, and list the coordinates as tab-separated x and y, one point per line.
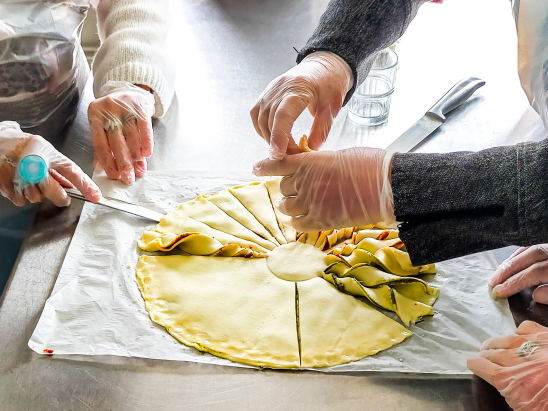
33	169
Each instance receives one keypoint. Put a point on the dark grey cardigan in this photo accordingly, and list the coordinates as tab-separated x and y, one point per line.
449	204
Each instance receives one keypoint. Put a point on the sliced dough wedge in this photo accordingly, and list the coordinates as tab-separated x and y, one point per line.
284	221
256	199
232	206
231	307
208	213
336	328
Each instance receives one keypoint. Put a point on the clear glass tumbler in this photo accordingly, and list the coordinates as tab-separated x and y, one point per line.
370	103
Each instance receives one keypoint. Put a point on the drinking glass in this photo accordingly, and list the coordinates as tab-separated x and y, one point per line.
370	103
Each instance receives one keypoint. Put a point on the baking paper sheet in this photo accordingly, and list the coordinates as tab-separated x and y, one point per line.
96	309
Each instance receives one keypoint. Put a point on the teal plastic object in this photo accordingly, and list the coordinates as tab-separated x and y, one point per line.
33	169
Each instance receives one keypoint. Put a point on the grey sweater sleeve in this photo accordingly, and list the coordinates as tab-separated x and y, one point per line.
461	203
356	30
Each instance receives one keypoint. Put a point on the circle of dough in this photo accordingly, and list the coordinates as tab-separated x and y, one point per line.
296	262
252	290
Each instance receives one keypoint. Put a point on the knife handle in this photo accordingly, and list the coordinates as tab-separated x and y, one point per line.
458	94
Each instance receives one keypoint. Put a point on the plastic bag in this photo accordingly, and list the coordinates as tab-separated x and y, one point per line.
532	25
43	68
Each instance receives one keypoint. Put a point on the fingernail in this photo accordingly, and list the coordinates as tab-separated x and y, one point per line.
491	280
275	154
257	167
96	195
496	291
128	177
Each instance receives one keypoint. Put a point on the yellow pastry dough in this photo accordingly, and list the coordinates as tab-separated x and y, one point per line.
232	206
336	328
296	262
231	307
256	199
255	291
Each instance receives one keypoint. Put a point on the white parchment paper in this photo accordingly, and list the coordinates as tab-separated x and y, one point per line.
96	309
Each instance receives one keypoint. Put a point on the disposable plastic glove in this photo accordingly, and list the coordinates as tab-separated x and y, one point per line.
15	145
121	127
521	379
319	82
333	189
526	268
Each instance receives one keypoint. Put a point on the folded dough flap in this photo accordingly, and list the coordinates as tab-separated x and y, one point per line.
324	240
376	234
398	262
368	244
232	206
336	328
255	198
177	223
410	307
371	276
357	256
195	244
231	307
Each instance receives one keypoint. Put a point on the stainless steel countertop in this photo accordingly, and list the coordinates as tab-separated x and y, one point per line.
226	51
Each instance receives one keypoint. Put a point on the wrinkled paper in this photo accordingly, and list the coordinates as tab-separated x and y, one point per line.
96	309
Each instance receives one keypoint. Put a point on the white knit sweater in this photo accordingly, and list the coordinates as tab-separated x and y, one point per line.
133	47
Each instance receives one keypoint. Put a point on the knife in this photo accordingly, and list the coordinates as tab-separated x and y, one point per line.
120	205
435	117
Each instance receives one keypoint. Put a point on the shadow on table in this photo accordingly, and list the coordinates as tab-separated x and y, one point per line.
15	223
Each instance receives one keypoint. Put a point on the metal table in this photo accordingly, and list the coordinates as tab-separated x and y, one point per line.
226	51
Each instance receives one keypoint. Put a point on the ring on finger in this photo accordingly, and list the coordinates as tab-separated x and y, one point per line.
128	118
112	124
527	348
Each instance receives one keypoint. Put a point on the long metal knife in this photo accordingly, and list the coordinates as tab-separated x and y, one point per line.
120	205
435	117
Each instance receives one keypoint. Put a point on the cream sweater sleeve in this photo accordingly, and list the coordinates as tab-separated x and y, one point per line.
133	47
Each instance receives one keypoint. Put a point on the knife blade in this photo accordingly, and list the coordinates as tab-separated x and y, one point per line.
435	116
120	206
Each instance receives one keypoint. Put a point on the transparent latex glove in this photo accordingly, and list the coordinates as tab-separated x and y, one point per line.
121	128
519	372
319	82
526	268
333	189
15	145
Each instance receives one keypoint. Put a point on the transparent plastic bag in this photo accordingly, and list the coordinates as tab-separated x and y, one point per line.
532	25
42	65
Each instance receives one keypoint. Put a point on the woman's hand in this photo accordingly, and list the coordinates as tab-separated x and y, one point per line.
527	267
333	189
15	145
517	366
319	82
121	128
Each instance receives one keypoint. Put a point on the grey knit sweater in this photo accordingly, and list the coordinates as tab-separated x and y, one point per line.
449	204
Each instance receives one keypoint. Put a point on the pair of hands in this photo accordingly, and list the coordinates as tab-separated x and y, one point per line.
521	376
522	380
121	126
351	187
322	190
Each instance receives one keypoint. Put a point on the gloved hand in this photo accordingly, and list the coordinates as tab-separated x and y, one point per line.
333	189
319	82
14	145
519	372
121	127
524	269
